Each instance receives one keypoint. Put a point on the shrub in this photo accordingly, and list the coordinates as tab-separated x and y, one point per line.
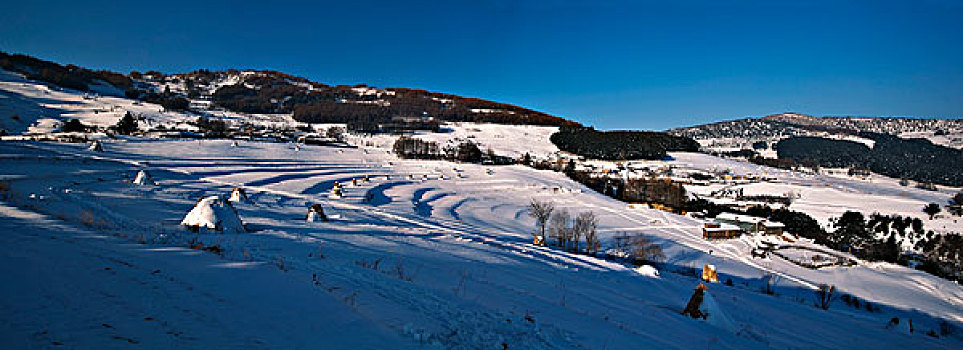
74	125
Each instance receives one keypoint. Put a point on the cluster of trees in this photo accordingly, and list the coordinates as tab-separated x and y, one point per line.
653	190
647	190
69	76
167	99
880	238
916	159
557	226
412	148
212	127
620	145
467	151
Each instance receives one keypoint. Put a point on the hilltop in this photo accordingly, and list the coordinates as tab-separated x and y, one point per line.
360	106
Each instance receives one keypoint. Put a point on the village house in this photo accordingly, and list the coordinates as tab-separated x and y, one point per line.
751	224
715	230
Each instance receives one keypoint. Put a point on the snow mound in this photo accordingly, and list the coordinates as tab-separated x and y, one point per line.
316	214
95	147
238	195
214	213
647	270
144	179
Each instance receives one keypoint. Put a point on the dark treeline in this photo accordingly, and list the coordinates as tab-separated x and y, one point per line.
69	76
620	145
915	159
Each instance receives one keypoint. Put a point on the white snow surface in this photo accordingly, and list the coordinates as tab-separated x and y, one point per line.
426	259
714	313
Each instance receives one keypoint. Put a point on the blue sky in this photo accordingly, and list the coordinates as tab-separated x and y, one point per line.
611	64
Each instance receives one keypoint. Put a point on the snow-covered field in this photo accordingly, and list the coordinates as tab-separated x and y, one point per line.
455	263
427	254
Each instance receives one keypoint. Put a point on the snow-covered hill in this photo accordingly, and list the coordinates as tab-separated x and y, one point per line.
425	254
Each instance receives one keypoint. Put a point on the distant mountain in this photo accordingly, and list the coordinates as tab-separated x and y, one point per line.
772	128
261	91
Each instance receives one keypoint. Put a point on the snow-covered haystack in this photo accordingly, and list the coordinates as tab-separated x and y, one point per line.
709	273
144	179
213	213
316	213
238	195
647	270
703	305
95	147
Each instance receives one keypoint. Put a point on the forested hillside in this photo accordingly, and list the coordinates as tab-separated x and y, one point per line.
915	159
620	145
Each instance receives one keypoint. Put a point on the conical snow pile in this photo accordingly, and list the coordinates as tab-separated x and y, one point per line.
213	213
95	147
238	195
316	214
703	305
144	179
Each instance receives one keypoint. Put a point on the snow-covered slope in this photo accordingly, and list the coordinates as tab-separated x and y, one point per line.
415	257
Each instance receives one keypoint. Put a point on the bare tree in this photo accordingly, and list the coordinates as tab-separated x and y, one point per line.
621	241
541	212
335	132
559	228
584	222
771	279
825	296
642	249
591	233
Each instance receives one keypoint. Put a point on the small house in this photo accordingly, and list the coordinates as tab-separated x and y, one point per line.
715	230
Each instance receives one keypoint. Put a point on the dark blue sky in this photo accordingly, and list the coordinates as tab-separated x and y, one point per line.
618	64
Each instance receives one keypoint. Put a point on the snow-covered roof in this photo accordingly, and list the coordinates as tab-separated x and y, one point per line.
739	218
722	227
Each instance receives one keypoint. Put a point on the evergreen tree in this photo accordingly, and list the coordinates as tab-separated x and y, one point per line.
932	209
126	125
851	231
